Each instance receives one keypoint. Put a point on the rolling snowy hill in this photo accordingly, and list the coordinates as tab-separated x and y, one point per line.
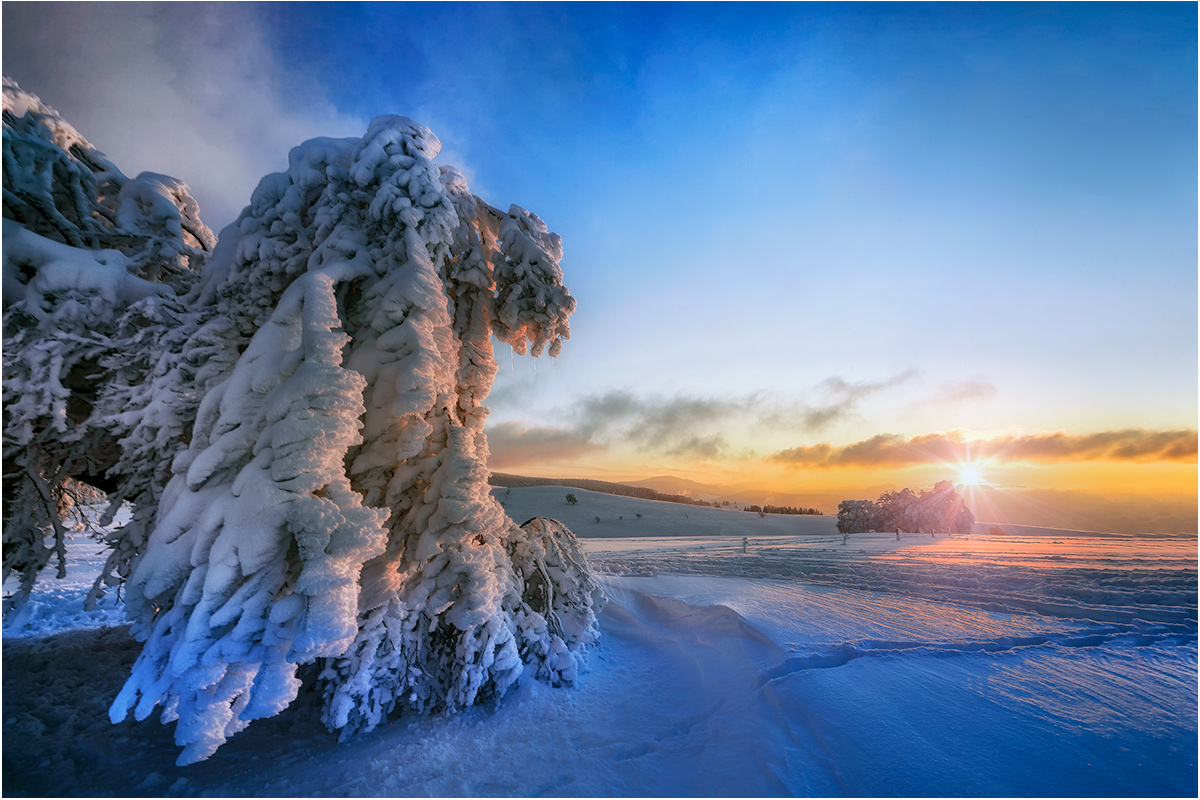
598	515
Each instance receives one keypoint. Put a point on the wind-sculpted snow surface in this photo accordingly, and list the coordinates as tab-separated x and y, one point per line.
716	682
1104	580
301	434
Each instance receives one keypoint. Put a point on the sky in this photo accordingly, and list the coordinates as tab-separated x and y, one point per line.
817	248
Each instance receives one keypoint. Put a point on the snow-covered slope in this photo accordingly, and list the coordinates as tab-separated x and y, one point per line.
975	666
618	517
598	515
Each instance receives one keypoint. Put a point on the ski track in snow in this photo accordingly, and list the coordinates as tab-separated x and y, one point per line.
1011	666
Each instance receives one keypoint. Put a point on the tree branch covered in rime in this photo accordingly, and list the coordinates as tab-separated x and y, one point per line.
299	427
89	257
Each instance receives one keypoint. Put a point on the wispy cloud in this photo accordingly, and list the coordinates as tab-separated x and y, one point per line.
682	426
514	444
839	400
955	392
188	89
679	426
891	450
705	427
844	398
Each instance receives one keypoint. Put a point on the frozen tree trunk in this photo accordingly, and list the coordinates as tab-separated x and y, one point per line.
301	430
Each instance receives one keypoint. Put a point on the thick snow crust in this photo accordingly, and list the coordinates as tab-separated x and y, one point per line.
1032	665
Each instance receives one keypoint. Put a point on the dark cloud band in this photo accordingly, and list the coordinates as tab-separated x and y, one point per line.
891	450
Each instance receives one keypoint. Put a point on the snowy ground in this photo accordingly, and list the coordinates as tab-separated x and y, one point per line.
1032	665
606	515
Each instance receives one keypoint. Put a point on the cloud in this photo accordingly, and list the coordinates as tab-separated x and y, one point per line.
188	89
683	426
840	400
513	444
891	450
679	426
696	427
689	426
976	388
707	448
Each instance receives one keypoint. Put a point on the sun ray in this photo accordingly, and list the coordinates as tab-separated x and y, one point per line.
970	476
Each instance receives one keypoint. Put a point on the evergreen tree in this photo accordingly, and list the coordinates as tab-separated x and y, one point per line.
94	265
297	416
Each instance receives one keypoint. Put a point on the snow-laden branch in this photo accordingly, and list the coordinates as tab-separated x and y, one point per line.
301	434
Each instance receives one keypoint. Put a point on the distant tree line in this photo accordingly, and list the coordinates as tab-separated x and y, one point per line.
767	509
939	510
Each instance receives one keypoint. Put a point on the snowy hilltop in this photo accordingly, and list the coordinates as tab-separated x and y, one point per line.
295	413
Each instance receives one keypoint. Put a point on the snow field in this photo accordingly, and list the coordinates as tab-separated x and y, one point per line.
1028	666
618	516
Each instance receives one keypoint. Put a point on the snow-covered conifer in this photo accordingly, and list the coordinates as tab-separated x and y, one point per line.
299	425
86	251
942	509
56	184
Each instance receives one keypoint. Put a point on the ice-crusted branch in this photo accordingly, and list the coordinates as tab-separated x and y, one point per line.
85	247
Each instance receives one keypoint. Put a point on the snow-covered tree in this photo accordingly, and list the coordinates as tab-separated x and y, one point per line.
943	510
857	516
897	510
300	429
89	255
940	509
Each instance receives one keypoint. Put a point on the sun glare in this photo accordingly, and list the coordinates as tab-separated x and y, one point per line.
970	476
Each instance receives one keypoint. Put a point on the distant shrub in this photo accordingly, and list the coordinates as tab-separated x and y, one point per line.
572	500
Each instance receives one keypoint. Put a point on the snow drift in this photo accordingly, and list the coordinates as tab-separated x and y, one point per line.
296	415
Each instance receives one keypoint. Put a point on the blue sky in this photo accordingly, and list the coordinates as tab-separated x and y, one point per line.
786	224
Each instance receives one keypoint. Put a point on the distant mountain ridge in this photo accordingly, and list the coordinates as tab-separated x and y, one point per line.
742	495
688	488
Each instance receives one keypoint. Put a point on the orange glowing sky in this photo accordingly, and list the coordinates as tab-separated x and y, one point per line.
818	248
1156	493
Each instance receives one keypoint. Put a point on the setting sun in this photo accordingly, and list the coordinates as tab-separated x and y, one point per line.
970	476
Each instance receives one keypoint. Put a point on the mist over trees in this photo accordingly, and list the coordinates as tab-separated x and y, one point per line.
295	414
938	510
